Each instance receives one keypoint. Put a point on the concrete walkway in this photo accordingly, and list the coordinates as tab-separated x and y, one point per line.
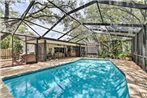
136	77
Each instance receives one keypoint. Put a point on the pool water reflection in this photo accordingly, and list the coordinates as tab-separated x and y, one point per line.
80	79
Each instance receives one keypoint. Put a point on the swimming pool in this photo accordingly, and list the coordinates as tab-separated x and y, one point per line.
80	79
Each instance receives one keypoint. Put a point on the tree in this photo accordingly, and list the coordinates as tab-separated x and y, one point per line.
6	43
115	15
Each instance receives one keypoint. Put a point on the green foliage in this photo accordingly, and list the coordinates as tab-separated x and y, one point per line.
7	43
115	49
4	44
110	14
124	56
17	46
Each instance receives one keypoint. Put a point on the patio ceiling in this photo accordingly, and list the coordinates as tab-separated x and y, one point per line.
57	31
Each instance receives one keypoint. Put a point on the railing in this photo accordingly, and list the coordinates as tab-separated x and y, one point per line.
140	55
140	60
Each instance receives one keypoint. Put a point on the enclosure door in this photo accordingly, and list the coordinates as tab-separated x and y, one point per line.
31	53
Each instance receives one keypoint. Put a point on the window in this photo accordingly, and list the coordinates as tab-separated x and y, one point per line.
59	50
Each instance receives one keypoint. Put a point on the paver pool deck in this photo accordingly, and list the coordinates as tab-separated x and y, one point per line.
136	77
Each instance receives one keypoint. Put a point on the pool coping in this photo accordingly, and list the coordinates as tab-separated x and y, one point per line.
2	78
38	70
58	65
29	72
8	94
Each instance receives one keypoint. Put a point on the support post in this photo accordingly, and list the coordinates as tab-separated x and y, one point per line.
79	50
65	51
12	50
45	50
26	49
133	48
137	47
87	50
36	50
145	41
144	36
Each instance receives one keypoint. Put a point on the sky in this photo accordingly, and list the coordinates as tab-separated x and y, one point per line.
21	7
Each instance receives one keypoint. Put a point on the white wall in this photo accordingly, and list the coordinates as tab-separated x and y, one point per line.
30	48
91	48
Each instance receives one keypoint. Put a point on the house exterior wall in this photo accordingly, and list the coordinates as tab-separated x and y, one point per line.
91	49
52	46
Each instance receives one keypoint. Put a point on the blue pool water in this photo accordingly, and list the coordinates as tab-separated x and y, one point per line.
80	79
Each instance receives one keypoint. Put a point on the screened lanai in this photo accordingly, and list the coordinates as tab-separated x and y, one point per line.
76	25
